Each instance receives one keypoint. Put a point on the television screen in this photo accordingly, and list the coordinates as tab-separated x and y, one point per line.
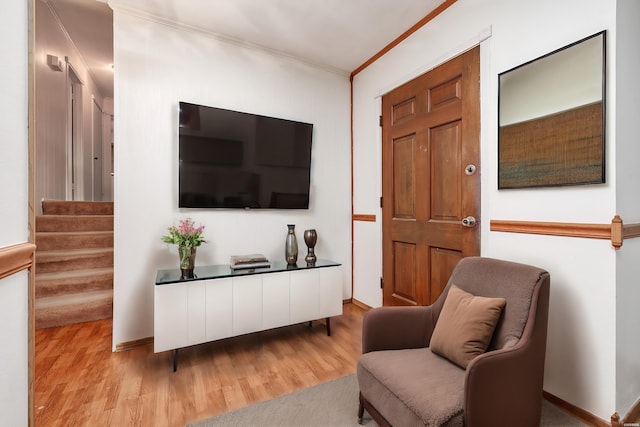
231	159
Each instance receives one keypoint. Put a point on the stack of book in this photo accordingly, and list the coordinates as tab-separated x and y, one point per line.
249	261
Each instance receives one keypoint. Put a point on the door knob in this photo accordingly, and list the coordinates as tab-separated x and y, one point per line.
469	221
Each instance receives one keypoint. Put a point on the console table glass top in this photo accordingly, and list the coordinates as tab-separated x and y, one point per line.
204	272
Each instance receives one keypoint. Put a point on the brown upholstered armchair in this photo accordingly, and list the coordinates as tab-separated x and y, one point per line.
403	383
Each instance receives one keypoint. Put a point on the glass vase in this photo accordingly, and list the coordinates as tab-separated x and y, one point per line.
187	261
291	245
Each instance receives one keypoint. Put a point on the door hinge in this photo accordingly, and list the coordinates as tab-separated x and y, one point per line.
380	202
380	121
381	283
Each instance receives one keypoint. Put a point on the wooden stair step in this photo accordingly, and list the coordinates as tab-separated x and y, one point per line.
78	259
75	308
50	240
62	207
74	223
69	282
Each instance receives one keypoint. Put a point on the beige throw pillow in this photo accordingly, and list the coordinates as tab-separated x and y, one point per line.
465	326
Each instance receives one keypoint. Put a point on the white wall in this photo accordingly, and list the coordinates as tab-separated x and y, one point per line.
14	213
581	356
628	200
51	111
156	66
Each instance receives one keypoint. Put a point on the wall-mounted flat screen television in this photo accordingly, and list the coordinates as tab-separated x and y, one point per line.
232	159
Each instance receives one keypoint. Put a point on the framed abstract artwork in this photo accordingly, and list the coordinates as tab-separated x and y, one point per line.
551	118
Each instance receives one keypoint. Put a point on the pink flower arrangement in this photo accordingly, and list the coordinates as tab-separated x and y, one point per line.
186	234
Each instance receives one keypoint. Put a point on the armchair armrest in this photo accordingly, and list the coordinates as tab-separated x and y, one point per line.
505	385
394	328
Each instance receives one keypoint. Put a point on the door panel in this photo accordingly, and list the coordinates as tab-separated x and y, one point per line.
442	263
445	167
404	110
405	280
404	177
430	133
444	93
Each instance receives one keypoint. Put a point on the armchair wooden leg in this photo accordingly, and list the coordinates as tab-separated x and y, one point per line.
360	410
373	413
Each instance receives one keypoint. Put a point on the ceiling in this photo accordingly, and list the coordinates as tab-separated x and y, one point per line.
89	24
336	34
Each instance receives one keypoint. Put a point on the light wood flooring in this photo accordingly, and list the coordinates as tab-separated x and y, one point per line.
79	381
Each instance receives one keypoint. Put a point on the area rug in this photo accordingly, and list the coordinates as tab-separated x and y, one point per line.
331	404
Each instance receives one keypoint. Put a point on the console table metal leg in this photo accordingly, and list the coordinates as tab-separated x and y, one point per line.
175	360
328	326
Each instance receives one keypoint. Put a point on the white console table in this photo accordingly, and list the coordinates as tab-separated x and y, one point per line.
220	302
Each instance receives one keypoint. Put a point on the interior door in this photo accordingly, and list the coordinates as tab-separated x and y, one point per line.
431	179
97	152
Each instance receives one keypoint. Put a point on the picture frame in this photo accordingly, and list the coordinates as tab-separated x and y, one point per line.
551	118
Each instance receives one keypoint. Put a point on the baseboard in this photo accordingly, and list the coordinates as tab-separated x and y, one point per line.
124	346
574	411
633	416
360	304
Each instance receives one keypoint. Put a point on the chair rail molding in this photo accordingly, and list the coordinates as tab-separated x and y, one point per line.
364	217
16	258
616	231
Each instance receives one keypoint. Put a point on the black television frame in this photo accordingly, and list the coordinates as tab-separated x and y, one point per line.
239	160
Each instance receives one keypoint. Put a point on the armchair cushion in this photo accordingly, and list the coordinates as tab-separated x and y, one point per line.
398	381
465	326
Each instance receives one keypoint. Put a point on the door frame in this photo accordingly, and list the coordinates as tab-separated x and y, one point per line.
74	144
31	84
97	158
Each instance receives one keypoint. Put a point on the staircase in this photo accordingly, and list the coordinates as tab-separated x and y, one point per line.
73	263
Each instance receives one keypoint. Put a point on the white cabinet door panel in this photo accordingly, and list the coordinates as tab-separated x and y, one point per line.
170	317
196	311
275	300
330	291
219	318
247	304
305	295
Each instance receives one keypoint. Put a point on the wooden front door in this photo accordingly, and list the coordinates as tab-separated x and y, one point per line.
430	179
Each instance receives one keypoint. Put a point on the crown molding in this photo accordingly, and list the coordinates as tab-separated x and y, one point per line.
66	35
